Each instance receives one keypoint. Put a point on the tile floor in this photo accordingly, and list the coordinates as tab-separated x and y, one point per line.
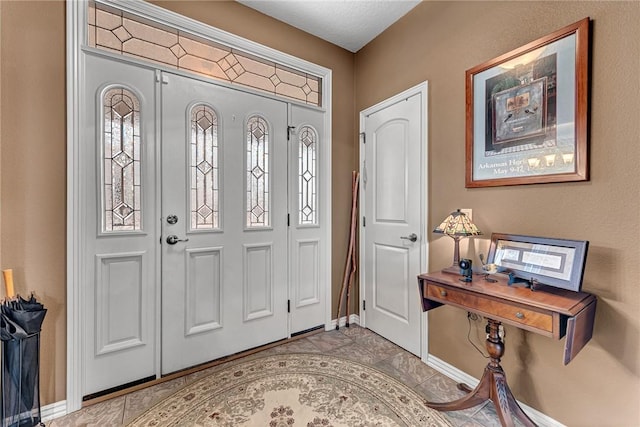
353	343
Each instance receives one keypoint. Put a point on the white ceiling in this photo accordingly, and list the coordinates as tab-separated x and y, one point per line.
350	24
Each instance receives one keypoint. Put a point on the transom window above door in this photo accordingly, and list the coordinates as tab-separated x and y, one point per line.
125	34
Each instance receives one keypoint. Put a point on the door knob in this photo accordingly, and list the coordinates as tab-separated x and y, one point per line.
412	237
173	239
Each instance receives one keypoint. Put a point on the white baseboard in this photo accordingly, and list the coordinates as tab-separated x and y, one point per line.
53	410
353	318
462	377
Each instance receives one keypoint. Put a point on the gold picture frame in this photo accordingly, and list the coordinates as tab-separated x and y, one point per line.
526	113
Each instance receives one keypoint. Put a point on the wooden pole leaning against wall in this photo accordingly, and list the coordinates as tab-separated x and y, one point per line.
350	263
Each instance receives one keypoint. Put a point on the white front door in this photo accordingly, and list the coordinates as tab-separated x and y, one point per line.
393	248
119	255
203	224
224	204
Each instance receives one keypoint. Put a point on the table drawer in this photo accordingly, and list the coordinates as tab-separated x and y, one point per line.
491	308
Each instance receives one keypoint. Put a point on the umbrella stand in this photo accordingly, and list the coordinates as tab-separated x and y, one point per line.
20	382
20	325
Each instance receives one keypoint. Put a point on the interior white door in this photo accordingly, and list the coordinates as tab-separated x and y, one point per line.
224	199
120	229
392	226
307	272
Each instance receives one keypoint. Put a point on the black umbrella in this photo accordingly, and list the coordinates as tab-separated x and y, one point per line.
20	325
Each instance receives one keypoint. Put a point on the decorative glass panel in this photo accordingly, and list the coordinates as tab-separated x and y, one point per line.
307	163
125	34
121	146
205	187
257	172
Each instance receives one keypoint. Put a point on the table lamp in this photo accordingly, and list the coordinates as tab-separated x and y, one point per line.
457	225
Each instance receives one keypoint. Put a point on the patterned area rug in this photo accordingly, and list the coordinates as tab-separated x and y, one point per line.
307	390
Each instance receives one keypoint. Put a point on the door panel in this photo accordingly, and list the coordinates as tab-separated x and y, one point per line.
257	281
392	208
306	279
391	265
224	289
203	290
118	284
119	323
390	152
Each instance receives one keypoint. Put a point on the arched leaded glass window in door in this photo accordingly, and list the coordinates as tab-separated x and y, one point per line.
205	186
122	186
258	214
307	166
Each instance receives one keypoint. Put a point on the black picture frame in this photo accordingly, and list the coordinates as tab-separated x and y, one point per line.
555	262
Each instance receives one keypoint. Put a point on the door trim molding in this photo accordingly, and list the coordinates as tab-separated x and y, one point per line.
75	211
76	36
423	90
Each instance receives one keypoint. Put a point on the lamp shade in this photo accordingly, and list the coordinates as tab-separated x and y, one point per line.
457	224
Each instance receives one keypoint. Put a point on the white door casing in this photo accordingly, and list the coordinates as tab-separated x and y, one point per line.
225	289
393	203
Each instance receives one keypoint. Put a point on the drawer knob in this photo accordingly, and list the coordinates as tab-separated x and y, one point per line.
519	315
443	293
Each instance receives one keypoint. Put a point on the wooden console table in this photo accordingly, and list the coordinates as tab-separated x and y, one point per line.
548	311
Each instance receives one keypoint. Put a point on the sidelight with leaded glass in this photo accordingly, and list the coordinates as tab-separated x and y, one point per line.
307	166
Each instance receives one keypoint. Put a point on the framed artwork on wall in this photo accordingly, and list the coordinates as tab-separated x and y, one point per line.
554	262
526	113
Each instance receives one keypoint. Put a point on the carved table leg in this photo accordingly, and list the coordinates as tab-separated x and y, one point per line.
493	386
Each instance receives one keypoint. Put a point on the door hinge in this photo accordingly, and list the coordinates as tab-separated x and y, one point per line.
288	220
364	221
364	138
364	305
288	306
364	175
290	130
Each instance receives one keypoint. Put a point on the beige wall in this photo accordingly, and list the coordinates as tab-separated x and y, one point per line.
437	42
33	170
